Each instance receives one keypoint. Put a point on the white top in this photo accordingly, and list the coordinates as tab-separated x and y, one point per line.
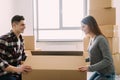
18	43
92	39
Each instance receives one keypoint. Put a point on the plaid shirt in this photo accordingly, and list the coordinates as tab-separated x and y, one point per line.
10	53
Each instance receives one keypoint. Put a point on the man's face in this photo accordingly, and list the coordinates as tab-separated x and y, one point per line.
19	26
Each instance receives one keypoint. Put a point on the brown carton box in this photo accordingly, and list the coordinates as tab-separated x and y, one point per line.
99	4
29	42
104	16
55	68
116	59
109	30
86	54
86	43
114	44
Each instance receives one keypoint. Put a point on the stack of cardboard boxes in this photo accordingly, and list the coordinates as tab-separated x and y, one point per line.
105	16
111	33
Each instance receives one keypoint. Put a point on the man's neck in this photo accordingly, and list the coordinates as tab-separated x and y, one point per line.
16	33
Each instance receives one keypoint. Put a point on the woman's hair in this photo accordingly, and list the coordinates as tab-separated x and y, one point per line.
92	24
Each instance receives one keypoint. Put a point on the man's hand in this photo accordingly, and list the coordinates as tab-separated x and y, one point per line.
23	69
20	69
22	62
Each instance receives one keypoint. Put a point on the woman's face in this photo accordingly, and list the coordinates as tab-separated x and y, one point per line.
85	28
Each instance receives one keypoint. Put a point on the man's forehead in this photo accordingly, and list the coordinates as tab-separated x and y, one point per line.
22	22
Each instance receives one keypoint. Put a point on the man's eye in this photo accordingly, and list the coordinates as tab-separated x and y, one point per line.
23	25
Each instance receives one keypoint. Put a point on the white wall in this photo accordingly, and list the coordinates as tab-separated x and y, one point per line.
6	11
25	8
10	8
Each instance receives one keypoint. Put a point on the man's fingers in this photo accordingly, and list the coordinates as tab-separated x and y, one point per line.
80	67
28	67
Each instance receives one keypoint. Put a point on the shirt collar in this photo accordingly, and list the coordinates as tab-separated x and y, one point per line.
15	37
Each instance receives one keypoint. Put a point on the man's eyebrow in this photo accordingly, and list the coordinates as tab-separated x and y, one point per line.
22	24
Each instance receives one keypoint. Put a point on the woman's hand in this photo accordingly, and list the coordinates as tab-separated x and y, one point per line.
83	68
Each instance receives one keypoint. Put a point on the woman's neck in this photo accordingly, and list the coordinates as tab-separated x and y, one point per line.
92	35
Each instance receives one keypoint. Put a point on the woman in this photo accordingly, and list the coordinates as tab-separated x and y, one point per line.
100	58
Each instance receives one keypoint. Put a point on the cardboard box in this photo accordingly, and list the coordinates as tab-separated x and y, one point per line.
57	53
104	16
86	54
116	59
109	30
55	68
29	42
99	4
114	44
86	43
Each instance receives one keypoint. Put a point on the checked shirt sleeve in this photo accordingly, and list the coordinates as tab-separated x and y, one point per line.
3	63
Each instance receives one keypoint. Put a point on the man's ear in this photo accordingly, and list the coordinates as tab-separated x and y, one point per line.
13	24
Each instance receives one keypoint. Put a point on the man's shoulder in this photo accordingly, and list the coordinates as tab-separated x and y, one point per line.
5	36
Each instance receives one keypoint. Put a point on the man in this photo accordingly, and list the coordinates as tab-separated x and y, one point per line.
12	51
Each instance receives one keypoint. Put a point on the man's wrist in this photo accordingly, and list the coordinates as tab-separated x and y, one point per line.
11	69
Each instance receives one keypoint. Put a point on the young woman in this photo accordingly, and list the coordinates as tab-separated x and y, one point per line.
100	58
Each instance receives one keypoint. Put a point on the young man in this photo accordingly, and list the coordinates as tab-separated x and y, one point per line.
12	51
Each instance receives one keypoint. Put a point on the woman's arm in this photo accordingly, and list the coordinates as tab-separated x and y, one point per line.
107	59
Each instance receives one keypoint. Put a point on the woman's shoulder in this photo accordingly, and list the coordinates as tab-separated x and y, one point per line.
101	38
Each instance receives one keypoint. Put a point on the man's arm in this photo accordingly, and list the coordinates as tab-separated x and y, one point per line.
3	46
24	56
20	69
5	66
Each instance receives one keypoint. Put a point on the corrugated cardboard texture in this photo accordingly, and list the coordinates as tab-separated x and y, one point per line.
99	4
55	75
114	44
55	68
109	30
86	43
29	42
104	16
86	54
116	59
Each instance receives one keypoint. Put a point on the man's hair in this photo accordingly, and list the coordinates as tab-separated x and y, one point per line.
17	18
